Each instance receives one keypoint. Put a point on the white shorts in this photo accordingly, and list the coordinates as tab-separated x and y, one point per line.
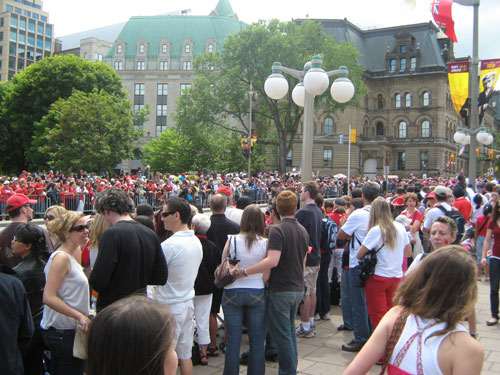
183	313
202	305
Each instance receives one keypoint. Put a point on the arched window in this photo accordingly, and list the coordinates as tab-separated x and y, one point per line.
398	101
402	130
408	100
426	99
426	129
210	48
164	48
187	48
141	48
380	101
329	126
380	129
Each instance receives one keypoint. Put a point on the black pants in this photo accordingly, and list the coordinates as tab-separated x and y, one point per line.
33	361
322	285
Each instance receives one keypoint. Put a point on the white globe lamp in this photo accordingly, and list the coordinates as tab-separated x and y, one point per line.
298	94
276	86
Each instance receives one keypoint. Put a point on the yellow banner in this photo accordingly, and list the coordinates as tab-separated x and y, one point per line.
488	82
458	78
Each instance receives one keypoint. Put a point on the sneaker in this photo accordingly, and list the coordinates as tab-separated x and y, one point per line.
301	332
244	359
325	316
317	317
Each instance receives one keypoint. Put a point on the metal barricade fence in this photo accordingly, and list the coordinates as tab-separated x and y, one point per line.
85	202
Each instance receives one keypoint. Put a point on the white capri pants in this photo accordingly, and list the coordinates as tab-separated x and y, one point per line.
202	306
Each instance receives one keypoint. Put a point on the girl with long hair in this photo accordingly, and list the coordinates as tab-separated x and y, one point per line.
245	296
493	231
66	294
432	301
389	239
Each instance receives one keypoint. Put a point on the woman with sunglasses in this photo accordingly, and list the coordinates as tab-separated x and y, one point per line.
29	244
66	294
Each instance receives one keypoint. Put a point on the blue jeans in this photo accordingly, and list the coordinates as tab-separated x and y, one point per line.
360	322
252	303
60	344
345	294
494	284
281	312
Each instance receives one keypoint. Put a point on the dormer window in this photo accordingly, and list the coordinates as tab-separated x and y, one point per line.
210	48
163	48
187	48
413	64
393	65
402	66
402	48
141	48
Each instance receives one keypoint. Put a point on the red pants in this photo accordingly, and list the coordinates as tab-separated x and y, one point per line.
379	293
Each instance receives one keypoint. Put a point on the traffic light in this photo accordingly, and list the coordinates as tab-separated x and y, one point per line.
452	157
353	136
477	151
491	154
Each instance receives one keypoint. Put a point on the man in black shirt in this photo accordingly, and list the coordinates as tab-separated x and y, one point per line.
310	216
130	255
220	228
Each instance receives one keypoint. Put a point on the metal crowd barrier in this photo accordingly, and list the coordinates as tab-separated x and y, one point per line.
85	202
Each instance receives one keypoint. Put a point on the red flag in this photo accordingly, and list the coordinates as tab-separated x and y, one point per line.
441	11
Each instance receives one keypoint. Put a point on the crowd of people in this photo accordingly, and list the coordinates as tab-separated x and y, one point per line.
401	254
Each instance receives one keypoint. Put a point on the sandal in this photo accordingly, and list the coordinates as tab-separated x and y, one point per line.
212	352
203	360
492	322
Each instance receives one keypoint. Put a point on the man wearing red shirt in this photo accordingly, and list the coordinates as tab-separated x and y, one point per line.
462	204
5	192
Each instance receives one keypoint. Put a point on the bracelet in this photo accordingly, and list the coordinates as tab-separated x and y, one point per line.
245	273
474	335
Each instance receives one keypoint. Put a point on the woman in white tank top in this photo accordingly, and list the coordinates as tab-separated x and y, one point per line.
434	298
66	294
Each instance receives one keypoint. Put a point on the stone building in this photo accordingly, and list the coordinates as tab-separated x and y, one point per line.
26	36
405	122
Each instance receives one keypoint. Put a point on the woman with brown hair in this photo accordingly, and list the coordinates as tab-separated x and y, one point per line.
433	300
246	296
133	336
66	294
391	243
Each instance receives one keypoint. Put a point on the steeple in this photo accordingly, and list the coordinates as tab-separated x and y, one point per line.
224	9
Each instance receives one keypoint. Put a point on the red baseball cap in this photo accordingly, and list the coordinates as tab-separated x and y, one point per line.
226	190
19	200
431	195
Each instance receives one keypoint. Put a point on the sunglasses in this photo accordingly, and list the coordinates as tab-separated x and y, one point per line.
49	217
80	228
167	213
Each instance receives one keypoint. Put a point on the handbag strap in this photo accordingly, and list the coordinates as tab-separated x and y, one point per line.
397	330
482	226
235	252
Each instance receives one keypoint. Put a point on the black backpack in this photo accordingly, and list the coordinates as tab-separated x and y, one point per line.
459	219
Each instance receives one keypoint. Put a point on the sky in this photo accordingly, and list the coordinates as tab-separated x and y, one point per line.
70	16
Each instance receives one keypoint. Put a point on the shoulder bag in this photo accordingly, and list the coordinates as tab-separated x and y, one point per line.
397	330
226	272
366	267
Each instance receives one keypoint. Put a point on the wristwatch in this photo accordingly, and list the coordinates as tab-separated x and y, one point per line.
245	273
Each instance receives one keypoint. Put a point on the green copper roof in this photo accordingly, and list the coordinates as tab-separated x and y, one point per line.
224	9
175	29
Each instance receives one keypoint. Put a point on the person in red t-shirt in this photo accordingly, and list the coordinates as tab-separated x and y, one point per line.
462	204
482	224
493	231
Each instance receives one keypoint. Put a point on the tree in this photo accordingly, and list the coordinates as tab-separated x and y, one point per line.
30	95
217	96
168	152
89	131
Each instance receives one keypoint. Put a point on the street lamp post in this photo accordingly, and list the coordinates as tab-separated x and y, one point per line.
482	136
313	81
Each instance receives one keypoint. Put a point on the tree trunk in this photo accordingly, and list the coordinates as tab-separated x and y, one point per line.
282	152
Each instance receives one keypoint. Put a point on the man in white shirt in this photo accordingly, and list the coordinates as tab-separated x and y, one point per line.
183	253
354	310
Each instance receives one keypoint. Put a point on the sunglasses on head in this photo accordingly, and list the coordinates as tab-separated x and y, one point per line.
80	228
167	213
49	217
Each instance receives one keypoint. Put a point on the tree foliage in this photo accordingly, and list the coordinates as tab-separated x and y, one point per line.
218	95
89	131
31	93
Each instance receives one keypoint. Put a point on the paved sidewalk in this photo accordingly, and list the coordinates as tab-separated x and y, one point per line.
323	354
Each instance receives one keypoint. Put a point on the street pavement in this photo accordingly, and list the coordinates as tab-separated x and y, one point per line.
323	354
